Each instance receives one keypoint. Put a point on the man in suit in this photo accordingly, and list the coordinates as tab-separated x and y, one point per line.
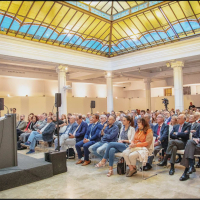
194	125
21	125
77	135
40	123
46	134
192	148
103	119
180	135
90	138
109	134
167	117
72	126
160	131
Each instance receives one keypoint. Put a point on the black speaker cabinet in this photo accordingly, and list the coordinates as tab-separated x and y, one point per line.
1	103
92	105
57	99
58	160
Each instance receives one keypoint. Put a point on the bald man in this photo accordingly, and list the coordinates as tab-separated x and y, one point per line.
179	137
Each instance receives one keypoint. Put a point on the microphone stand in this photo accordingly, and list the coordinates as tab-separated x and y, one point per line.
57	114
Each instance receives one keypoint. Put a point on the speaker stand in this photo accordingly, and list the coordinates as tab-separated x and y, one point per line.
58	138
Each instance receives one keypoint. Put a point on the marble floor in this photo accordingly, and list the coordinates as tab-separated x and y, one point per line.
87	182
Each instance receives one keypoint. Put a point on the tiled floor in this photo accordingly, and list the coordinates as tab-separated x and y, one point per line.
91	183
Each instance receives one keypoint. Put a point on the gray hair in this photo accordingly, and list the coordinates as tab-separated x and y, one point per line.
104	116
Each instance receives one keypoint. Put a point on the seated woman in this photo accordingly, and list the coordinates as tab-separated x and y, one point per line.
139	147
24	136
126	135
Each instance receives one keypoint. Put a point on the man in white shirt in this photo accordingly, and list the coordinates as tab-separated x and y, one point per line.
68	132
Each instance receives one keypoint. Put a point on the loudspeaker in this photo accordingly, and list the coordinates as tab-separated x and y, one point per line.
58	160
1	103
57	99
92	105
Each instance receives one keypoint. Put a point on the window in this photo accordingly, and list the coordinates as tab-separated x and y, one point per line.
168	92
187	90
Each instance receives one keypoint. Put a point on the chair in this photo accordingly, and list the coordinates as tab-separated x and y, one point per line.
151	150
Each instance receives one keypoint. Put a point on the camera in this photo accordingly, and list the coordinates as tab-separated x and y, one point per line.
165	101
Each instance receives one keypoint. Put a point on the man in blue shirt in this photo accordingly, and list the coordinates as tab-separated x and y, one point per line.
108	134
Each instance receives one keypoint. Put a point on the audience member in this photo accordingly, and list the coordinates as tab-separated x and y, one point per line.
109	133
191	106
46	134
179	135
160	131
147	118
139	147
72	126
192	148
167	117
24	136
87	120
126	136
90	138
15	112
103	119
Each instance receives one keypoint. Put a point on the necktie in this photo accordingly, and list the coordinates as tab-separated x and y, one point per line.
180	127
158	131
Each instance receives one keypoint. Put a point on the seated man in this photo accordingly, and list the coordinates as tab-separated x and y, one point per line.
90	138
103	119
77	135
192	148
180	135
167	117
21	125
160	131
68	132
109	134
46	134
147	118
40	123
194	126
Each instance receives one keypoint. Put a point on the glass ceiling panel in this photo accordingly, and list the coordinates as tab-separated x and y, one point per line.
83	26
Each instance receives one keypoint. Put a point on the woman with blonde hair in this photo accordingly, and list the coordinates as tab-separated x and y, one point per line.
139	147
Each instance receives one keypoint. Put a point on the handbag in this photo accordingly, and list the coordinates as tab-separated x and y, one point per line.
121	167
70	153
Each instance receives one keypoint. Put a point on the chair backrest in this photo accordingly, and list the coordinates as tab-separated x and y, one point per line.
151	148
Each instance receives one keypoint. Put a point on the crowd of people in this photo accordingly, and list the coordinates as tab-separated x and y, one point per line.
131	133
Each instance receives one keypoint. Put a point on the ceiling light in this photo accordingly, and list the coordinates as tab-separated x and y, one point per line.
66	68
115	97
109	74
8	95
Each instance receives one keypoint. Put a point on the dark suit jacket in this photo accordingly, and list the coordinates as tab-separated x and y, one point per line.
95	132
184	136
80	133
47	134
163	134
197	133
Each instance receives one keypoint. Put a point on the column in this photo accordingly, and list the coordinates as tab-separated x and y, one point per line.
178	83
61	70
147	82
109	91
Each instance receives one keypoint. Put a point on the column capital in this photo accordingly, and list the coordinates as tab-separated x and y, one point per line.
174	64
147	80
61	68
108	74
